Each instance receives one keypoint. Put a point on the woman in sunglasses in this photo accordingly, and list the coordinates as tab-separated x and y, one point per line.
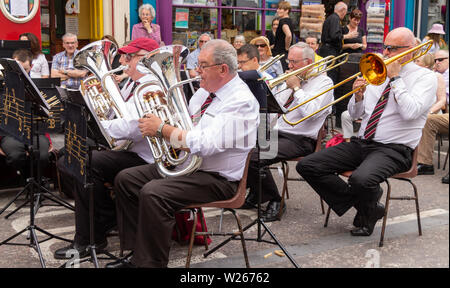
354	39
265	54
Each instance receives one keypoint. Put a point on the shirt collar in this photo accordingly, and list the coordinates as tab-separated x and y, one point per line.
225	89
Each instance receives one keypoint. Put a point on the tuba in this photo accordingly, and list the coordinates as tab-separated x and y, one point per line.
165	98
100	91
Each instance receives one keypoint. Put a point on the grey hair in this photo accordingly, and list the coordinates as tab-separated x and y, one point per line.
240	37
70	35
339	6
147	7
223	52
307	51
206	34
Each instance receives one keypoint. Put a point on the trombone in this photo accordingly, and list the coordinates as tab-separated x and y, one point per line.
373	68
270	63
324	65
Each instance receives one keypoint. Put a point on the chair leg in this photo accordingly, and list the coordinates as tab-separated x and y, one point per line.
327	217
191	241
439	150
446	159
416	199
322	206
241	233
285	168
383	227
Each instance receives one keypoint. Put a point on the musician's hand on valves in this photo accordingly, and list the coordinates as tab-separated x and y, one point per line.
149	125
393	69
359	82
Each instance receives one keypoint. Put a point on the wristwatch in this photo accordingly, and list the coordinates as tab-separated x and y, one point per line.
296	88
159	131
65	72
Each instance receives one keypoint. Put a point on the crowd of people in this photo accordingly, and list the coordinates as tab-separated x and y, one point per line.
403	114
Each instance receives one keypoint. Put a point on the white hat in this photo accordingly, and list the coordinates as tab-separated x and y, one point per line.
437	29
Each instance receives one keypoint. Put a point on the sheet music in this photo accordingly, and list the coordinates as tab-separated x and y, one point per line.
14	109
76	148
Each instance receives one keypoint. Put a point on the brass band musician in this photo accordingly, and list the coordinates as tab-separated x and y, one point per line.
106	164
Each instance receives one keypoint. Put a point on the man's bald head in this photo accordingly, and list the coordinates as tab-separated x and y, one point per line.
340	9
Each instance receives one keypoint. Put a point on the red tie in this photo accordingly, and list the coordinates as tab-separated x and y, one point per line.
132	90
371	128
197	116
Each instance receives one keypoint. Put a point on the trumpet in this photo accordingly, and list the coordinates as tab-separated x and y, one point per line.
373	68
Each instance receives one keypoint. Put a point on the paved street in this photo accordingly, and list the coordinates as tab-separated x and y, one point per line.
301	231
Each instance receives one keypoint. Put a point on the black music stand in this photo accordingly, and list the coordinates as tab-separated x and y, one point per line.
48	87
268	104
7	47
30	102
81	124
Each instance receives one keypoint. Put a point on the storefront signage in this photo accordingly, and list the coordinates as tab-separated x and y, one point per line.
19	11
182	18
73	7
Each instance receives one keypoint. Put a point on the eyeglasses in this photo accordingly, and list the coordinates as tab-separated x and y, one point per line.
261	45
130	56
203	67
70	43
293	62
357	15
440	59
393	48
243	61
202	41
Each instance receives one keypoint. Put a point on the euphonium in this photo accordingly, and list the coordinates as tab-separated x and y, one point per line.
100	91
164	97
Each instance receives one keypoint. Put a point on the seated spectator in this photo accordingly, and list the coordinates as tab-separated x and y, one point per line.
265	55
313	42
39	65
147	29
62	64
436	33
239	41
192	59
14	151
436	123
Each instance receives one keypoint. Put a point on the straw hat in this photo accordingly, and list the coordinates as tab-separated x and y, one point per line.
437	29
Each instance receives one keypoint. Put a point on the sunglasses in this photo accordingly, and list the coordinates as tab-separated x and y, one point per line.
261	45
440	59
393	48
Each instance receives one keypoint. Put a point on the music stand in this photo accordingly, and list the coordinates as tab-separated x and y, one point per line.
268	104
81	124
7	47
47	87
28	100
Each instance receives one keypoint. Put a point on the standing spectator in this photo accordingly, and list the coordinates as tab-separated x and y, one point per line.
332	36
436	32
436	123
62	64
239	41
192	59
313	42
39	65
284	34
265	55
272	32
354	39
147	29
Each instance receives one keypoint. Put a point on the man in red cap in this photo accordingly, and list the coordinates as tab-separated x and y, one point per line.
106	164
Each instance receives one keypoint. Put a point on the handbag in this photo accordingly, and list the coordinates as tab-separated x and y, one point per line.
183	228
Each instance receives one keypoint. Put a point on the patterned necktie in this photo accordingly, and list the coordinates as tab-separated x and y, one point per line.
197	116
288	102
132	90
371	128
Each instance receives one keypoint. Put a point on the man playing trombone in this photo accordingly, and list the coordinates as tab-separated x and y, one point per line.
293	141
393	115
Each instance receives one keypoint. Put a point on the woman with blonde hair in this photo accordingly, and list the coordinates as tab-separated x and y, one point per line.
265	54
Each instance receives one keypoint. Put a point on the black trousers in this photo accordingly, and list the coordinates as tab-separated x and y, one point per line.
16	152
106	165
289	146
372	163
146	206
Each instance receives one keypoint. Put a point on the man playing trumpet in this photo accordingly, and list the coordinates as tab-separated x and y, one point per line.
293	141
393	115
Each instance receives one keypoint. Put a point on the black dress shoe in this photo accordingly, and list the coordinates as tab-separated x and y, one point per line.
272	211
120	263
445	179
424	169
357	221
369	222
67	252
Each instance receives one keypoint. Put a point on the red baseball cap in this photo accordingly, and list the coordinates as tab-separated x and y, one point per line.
139	44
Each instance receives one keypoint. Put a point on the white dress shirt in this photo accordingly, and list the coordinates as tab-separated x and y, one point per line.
227	131
128	129
308	128
404	116
40	67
